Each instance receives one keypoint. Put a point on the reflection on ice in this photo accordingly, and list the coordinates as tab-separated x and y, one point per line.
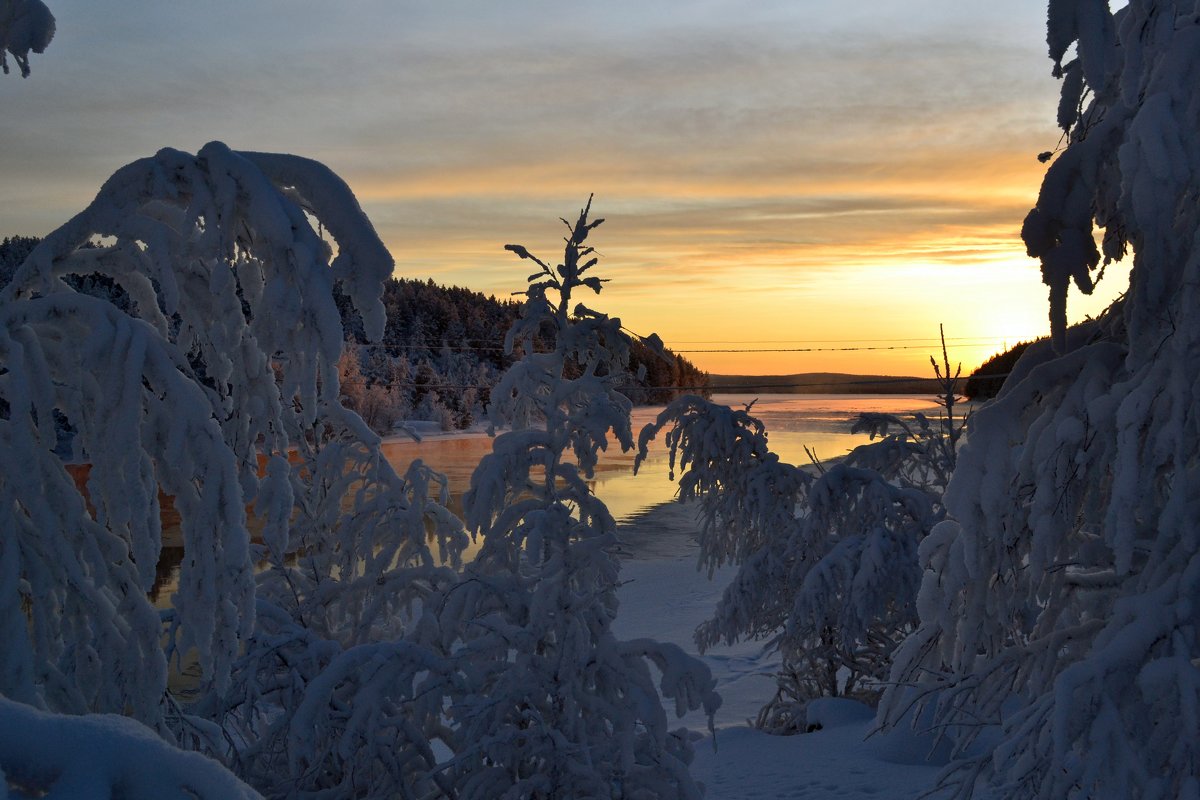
819	422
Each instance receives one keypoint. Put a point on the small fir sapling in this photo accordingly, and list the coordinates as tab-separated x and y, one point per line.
553	704
921	453
827	561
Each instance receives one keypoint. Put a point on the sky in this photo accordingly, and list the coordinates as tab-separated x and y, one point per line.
777	174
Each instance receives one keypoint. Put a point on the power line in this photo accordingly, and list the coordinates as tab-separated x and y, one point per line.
722	389
821	349
858	348
933	339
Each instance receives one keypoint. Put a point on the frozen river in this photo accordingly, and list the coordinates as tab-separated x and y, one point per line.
820	422
793	422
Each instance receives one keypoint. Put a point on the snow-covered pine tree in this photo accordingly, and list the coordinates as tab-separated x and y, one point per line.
225	359
25	26
13	251
552	704
1059	617
340	688
372	386
827	560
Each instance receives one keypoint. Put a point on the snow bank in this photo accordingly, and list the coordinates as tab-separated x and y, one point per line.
102	756
665	596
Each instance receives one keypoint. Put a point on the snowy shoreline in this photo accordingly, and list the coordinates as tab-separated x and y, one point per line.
664	596
664	530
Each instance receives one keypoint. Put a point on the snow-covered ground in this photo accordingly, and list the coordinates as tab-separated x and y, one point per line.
664	597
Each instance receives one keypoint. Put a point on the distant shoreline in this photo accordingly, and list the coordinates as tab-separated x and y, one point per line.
826	383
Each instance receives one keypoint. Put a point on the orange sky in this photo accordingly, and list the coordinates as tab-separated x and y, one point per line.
775	174
868	259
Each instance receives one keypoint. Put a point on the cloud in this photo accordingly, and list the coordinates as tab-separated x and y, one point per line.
734	147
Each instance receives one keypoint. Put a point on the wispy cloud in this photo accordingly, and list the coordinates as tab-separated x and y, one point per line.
751	158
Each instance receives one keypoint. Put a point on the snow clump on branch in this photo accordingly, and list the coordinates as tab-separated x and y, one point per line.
25	26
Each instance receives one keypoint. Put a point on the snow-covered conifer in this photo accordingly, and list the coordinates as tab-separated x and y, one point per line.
80	634
229	353
1059	635
340	688
552	704
827	561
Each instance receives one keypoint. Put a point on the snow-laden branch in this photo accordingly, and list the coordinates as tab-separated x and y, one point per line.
26	26
79	575
1058	619
208	374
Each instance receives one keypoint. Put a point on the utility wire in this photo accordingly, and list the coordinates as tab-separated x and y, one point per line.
722	389
862	348
817	349
932	339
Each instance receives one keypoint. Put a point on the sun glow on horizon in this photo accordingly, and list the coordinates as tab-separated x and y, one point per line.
774	172
888	325
854	283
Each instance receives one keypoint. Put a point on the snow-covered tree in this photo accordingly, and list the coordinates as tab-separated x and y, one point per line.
340	687
224	361
827	558
25	26
552	705
1059	628
375	392
358	662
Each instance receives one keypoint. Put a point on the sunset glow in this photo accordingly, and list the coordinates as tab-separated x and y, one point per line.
780	176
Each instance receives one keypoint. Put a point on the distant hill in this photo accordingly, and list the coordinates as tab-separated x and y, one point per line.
825	383
980	386
441	353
